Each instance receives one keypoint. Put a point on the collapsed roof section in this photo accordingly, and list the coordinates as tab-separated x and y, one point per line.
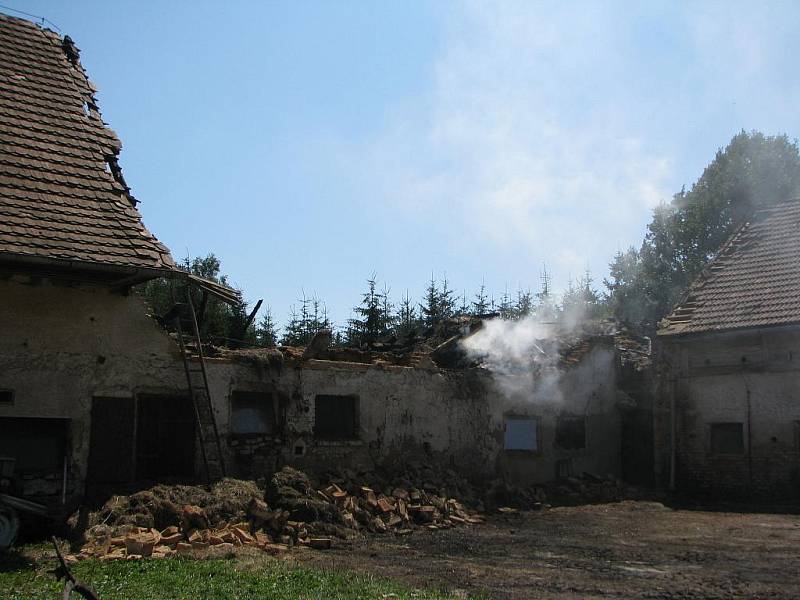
63	201
433	352
754	281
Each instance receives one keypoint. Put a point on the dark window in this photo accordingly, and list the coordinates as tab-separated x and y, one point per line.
336	417
571	433
522	433
38	445
252	413
6	397
727	438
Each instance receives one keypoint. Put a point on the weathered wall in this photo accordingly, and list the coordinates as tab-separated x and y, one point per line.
66	345
456	416
63	345
752	378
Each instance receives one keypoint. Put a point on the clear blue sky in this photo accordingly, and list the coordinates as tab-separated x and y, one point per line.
308	144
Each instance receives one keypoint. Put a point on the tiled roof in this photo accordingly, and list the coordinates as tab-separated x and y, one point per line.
62	195
753	282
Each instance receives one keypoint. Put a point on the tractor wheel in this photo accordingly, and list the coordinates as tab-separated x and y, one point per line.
9	526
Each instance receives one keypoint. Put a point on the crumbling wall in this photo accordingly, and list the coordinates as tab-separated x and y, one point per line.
747	378
400	411
63	345
585	391
456	417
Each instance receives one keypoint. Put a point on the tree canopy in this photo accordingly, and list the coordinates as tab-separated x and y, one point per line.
752	171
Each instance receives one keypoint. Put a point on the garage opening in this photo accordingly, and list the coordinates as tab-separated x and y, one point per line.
336	417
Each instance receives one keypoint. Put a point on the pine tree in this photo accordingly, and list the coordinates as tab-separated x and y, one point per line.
506	306
431	311
293	333
480	306
463	307
545	305
266	332
447	300
581	301
387	311
373	318
302	326
524	305
406	321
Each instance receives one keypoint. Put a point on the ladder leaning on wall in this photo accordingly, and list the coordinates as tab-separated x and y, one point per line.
197	379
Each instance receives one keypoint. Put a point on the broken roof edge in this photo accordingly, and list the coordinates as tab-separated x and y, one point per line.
223	292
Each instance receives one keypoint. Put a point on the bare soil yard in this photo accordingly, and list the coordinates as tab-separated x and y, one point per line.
624	550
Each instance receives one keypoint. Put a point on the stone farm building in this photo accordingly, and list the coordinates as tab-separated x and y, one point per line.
94	395
728	419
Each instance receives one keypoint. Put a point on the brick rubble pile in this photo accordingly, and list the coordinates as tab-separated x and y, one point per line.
290	512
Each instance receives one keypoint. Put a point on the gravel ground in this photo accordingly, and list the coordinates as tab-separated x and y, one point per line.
630	549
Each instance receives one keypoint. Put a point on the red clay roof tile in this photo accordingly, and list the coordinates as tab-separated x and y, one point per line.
753	282
58	198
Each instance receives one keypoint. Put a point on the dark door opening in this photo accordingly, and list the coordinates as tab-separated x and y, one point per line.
138	440
165	438
111	448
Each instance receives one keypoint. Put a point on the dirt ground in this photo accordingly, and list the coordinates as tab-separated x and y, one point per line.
623	550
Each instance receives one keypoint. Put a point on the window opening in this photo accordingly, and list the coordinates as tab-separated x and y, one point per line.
571	432
336	417
522	433
252	413
727	438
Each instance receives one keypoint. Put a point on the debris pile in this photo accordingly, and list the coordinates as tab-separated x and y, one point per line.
569	491
167	520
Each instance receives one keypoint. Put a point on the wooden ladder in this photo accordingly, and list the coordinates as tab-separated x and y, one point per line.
197	380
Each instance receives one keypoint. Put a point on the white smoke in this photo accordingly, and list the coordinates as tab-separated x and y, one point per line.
524	356
515	352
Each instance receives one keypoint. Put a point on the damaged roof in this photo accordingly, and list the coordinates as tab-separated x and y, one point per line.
753	282
62	194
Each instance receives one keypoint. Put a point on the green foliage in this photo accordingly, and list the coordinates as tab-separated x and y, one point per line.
187	579
480	305
374	316
302	326
524	306
581	301
266	331
439	303
406	321
218	321
506	307
752	171
546	310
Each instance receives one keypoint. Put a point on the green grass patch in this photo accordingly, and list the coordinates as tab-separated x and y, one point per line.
181	578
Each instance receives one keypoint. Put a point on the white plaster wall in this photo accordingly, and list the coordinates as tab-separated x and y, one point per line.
63	345
457	416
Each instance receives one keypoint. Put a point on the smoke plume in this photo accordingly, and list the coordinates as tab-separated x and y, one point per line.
522	357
